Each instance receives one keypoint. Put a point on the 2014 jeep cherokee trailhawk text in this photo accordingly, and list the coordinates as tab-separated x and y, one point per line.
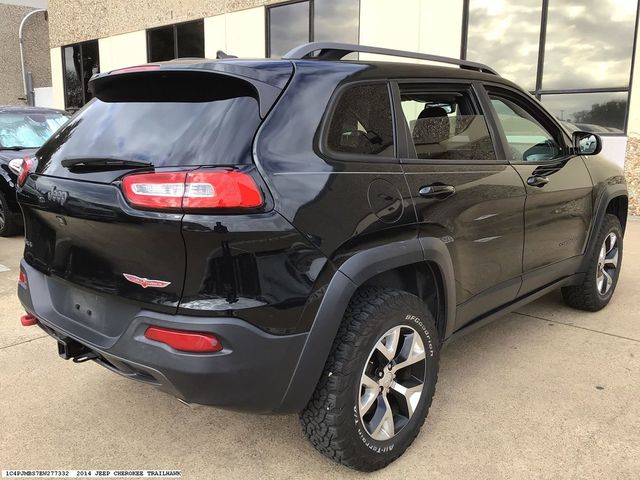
305	234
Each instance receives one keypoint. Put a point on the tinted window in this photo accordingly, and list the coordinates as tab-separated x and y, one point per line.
592	112
288	27
161	44
362	122
527	138
443	125
190	37
80	62
71	60
336	21
592	40
176	41
333	21
217	132
506	35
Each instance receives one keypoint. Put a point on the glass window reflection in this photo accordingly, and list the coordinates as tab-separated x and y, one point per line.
589	43
288	27
336	21
505	34
592	112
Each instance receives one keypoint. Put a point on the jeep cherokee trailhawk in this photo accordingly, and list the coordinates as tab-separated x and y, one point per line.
304	234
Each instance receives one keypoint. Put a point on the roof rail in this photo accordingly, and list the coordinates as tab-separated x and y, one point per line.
336	51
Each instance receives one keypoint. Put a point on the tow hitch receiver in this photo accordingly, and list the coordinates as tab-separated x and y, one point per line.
70	349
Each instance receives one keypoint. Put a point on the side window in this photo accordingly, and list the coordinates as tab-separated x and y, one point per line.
362	123
527	138
444	124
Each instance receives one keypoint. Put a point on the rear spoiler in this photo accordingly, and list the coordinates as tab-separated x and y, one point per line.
167	83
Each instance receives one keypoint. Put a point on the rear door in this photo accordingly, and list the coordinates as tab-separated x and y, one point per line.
80	227
558	210
464	193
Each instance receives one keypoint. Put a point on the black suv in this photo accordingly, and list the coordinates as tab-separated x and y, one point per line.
305	234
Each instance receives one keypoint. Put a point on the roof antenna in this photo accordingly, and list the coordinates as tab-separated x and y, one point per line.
220	55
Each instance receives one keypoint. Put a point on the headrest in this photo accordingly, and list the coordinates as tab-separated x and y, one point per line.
431	112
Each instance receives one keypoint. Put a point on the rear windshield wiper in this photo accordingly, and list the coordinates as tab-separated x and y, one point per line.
102	163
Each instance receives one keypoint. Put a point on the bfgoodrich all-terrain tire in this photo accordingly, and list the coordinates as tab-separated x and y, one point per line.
602	272
378	382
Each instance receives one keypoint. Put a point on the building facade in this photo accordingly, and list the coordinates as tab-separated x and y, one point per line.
36	50
575	56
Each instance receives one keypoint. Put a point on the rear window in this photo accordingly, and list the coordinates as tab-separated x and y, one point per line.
167	134
362	123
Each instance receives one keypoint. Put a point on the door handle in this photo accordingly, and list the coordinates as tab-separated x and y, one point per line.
537	181
439	192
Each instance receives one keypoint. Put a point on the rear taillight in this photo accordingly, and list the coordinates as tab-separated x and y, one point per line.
25	169
192	190
184	341
22	279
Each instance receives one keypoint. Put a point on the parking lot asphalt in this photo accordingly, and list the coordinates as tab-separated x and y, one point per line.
547	392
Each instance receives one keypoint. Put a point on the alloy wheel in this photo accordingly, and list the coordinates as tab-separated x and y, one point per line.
607	268
392	382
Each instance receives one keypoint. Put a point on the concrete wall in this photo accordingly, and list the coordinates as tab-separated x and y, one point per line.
413	27
239	33
36	47
77	21
56	78
123	50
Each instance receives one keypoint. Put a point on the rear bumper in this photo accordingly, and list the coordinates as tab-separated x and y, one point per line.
251	373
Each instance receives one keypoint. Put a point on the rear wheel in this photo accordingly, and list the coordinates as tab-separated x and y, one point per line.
8	225
603	271
378	382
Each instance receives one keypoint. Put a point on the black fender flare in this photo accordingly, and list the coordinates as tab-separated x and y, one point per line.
600	210
354	272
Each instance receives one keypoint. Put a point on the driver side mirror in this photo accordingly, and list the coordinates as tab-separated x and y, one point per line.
586	143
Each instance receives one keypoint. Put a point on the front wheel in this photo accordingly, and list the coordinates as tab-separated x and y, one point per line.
378	382
602	272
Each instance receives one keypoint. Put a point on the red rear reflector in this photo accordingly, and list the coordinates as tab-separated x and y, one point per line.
192	190
139	68
22	279
25	168
28	320
184	341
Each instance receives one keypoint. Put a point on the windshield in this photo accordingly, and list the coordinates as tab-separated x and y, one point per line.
28	130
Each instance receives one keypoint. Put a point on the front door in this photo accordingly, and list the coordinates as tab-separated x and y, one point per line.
559	189
462	193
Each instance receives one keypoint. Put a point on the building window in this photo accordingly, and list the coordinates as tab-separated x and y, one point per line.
574	56
176	41
79	63
294	23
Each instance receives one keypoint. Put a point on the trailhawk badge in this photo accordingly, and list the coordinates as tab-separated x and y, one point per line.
146	282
